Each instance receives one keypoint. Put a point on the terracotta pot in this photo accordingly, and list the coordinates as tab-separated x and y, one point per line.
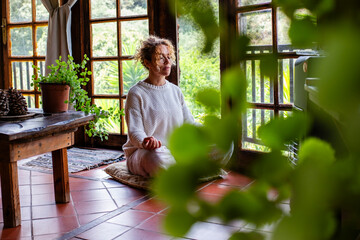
54	96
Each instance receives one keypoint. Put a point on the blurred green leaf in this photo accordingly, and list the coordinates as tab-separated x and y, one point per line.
247	236
273	167
176	184
317	152
339	90
318	227
280	131
289	6
247	206
223	132
178	221
269	65
209	97
234	89
303	32
189	143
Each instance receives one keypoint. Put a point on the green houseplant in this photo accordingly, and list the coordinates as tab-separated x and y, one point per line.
74	76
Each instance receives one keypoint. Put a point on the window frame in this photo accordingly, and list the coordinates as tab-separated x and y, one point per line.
8	59
231	9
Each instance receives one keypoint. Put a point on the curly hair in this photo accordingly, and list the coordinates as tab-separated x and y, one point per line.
148	48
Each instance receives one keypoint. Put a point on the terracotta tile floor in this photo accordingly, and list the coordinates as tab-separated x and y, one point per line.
101	208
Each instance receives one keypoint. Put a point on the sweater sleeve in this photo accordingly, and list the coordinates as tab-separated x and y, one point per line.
134	120
188	117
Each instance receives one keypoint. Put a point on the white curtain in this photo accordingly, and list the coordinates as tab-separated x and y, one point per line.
59	31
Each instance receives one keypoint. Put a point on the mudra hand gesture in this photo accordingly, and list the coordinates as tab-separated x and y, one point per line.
151	143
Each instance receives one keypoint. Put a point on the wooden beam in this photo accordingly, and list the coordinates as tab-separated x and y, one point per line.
61	176
10	194
165	26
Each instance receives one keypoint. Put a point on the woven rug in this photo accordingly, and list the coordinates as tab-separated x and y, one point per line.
79	159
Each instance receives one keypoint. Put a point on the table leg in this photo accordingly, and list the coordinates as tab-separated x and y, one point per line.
10	194
61	176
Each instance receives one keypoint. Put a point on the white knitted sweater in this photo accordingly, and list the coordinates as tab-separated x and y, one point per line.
153	111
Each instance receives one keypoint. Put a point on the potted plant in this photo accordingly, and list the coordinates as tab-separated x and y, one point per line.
66	80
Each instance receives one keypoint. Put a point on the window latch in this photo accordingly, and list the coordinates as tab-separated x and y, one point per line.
3	28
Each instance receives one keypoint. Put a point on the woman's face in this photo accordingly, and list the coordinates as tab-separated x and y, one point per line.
161	61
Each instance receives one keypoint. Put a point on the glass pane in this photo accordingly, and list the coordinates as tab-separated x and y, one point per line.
251	2
260	88
258	27
106	77
286	80
41	13
283	23
103	8
41	38
112	124
104	40
21	75
20	11
132	73
124	122
131	7
30	99
251	122
131	34
198	70
21	41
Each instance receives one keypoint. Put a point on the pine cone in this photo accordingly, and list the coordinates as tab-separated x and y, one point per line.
4	103
17	103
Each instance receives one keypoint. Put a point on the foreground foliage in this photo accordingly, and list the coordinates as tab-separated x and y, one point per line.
324	186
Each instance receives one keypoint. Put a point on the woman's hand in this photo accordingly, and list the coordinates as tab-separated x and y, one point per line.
151	143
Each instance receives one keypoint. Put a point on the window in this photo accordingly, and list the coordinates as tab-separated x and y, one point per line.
116	28
197	70
272	96
24	45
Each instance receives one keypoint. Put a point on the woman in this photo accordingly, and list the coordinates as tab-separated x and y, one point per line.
154	107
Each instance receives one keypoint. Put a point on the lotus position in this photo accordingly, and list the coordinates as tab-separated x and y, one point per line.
154	107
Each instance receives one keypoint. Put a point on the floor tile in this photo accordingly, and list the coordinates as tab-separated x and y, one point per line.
86	218
25	200
211	198
217	189
155	223
90	195
235	179
58	225
151	205
55	210
25	213
113	184
47	236
42	179
86	185
19	232
96	173
126	192
24	189
43	199
104	231
139	234
42	189
94	207
131	218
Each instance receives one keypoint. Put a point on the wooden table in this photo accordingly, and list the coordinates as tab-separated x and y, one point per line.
23	138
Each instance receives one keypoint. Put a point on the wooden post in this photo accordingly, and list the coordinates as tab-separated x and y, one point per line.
61	176
10	194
